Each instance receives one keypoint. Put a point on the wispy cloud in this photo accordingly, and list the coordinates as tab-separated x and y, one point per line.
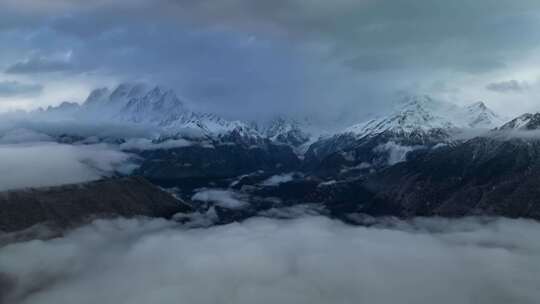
509	86
39	65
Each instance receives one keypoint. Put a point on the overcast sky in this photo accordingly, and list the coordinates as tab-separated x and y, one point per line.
244	58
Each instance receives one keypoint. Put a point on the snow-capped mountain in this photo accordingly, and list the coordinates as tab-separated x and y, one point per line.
65	109
156	107
207	123
420	122
286	130
478	115
423	114
525	122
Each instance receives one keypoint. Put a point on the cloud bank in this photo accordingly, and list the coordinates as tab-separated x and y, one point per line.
42	164
307	260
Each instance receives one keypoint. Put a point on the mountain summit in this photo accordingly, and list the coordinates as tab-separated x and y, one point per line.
153	106
525	122
286	130
422	114
418	123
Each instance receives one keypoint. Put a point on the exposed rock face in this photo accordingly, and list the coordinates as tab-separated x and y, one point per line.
71	205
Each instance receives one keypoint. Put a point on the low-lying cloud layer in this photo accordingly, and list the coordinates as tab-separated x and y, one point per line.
41	164
307	260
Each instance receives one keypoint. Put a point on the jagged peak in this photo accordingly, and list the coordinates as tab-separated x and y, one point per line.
97	95
527	121
419	99
422	101
156	91
129	90
423	113
130	94
280	123
65	105
286	129
479	115
157	107
480	105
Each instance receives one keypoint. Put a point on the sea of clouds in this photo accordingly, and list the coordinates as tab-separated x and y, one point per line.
41	164
309	260
32	157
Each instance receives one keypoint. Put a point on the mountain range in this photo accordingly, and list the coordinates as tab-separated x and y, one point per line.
426	157
416	118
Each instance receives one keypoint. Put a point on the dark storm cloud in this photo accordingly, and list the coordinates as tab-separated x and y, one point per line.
453	34
509	86
14	88
458	35
259	56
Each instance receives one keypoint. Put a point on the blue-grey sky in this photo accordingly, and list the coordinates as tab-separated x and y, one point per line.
246	58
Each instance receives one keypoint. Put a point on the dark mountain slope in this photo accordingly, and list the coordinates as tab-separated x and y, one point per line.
71	205
484	176
196	165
